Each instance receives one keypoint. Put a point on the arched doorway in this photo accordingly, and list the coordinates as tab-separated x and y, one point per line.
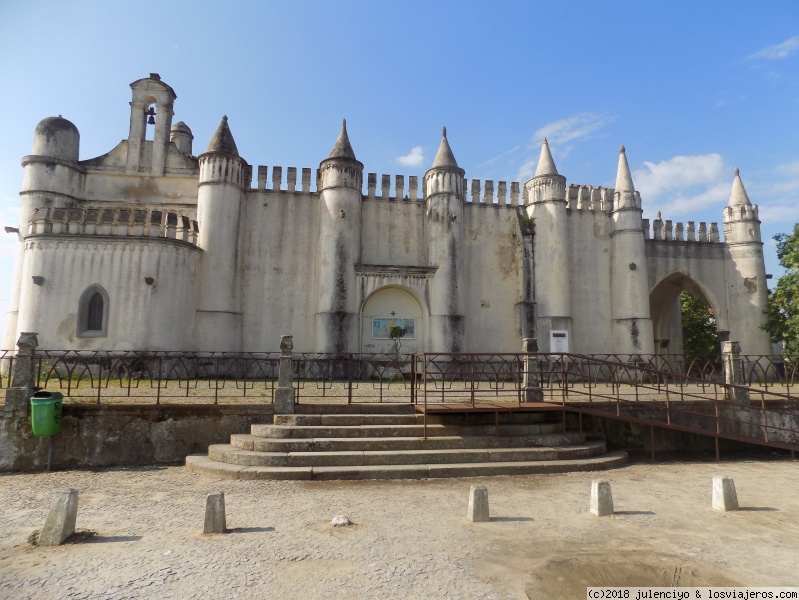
392	307
664	308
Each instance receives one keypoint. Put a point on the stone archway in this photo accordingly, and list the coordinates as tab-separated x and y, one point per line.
388	307
664	310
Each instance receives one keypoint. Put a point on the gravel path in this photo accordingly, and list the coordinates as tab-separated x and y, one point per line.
410	538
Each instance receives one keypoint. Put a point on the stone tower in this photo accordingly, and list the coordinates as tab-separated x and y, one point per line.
443	192
631	323
746	272
546	197
52	179
220	199
339	250
143	155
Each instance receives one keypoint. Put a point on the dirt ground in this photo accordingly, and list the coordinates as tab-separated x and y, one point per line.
139	535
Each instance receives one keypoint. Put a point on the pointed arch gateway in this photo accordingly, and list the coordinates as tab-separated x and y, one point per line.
664	309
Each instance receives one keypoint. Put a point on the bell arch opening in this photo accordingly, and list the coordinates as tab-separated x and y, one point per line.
390	307
685	318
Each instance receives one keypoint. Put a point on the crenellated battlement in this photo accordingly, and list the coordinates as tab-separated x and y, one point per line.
747	212
263	183
410	194
588	197
666	230
220	168
484	193
123	222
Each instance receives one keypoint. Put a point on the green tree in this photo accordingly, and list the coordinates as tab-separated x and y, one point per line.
782	314
699	337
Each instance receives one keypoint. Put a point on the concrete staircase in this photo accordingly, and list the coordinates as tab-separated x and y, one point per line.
384	441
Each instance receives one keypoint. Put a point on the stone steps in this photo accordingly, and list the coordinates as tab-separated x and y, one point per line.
245	441
386	431
204	464
232	455
391	444
338	420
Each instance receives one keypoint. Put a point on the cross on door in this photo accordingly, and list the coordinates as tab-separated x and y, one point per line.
393	313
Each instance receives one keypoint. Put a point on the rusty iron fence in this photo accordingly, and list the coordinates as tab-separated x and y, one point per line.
213	377
655	391
158	377
632	391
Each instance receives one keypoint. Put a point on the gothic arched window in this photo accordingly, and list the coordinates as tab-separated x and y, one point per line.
93	312
94	316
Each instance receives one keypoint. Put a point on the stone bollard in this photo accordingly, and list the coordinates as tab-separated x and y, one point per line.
478	505
601	498
724	496
284	394
215	513
60	522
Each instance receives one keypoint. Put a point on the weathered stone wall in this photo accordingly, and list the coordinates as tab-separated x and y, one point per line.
492	276
393	232
116	436
279	259
589	268
141	315
783	425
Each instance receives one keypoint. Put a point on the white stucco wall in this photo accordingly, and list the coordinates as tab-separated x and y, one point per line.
159	316
589	268
393	232
492	276
279	255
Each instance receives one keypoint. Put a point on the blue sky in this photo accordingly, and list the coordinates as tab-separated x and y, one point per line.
692	89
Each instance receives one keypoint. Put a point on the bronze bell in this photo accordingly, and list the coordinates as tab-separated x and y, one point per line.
151	118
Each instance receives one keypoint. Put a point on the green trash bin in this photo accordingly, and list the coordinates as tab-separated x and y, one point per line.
46	413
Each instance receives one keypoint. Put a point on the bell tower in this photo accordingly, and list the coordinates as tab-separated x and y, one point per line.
151	105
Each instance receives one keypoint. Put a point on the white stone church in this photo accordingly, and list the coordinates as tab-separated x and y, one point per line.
152	247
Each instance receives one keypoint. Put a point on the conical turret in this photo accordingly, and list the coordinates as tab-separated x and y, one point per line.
632	325
339	247
740	216
220	201
546	166
545	200
222	141
624	179
444	157
443	190
738	196
342	148
746	274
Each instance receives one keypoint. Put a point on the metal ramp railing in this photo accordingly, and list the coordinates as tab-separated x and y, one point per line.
632	391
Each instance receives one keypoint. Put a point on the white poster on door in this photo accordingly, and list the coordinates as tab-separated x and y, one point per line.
558	340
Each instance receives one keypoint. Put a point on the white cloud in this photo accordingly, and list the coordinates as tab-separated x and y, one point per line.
779	211
414	158
579	126
714	196
778	51
497	158
789	168
527	170
678	173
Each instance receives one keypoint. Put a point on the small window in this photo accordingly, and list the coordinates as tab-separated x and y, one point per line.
93	312
94	318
